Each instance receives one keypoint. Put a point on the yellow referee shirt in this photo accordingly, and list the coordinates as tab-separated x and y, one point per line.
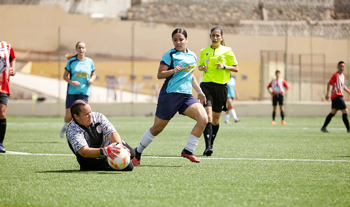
210	56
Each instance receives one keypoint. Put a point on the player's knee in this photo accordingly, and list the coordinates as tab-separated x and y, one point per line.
3	115
155	130
203	120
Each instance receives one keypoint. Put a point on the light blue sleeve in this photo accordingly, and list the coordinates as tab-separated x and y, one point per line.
92	66
166	59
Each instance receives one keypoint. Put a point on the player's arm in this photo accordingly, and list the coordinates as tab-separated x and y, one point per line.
233	68
347	90
89	152
12	63
163	71
236	93
92	78
268	88
328	90
201	64
232	64
115	137
198	89
286	86
66	78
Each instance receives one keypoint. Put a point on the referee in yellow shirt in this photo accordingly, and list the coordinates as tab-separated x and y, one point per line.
216	62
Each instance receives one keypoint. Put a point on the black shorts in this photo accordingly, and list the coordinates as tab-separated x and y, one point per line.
277	98
4	98
216	95
338	103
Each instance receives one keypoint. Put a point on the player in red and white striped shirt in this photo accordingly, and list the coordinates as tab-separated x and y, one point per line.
337	81
277	93
7	69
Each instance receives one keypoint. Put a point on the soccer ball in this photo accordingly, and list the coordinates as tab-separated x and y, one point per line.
121	161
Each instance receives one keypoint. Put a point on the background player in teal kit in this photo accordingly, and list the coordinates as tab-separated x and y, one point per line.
177	66
79	74
231	95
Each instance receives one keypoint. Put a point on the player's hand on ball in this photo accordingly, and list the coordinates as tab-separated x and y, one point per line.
111	151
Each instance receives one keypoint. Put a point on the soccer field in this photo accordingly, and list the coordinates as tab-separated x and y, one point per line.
253	164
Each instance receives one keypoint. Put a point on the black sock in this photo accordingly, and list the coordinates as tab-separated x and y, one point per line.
282	115
2	130
328	119
137	154
208	134
346	121
273	115
187	152
215	131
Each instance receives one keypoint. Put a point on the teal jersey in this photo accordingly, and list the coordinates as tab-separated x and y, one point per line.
231	87
180	82
80	70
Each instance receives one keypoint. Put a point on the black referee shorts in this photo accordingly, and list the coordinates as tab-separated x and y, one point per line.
338	103
216	95
277	98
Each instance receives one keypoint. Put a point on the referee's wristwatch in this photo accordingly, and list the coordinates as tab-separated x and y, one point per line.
224	67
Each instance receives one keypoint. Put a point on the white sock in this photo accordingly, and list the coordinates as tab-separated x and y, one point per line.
227	117
146	139
192	143
65	124
233	114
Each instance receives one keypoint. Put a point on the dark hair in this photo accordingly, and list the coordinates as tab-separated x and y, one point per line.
277	71
179	30
222	34
340	62
69	56
75	108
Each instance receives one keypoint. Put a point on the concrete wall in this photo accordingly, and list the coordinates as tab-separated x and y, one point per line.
36	28
243	109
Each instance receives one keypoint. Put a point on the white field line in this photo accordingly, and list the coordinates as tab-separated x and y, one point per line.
202	158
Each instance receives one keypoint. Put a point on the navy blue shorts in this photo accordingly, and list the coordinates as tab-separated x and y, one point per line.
71	98
170	103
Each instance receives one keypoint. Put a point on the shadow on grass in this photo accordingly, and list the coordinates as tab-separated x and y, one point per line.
41	142
157	166
80	171
344	156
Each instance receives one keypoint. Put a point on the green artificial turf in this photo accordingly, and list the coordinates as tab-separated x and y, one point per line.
253	164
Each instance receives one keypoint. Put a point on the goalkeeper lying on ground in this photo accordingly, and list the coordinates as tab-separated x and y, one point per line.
90	136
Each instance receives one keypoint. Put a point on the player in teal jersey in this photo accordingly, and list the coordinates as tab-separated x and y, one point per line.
177	66
79	74
231	95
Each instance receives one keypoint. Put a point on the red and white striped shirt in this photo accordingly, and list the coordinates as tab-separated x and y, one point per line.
6	57
278	86
337	81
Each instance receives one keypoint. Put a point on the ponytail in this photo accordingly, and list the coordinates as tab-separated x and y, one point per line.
69	56
222	42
